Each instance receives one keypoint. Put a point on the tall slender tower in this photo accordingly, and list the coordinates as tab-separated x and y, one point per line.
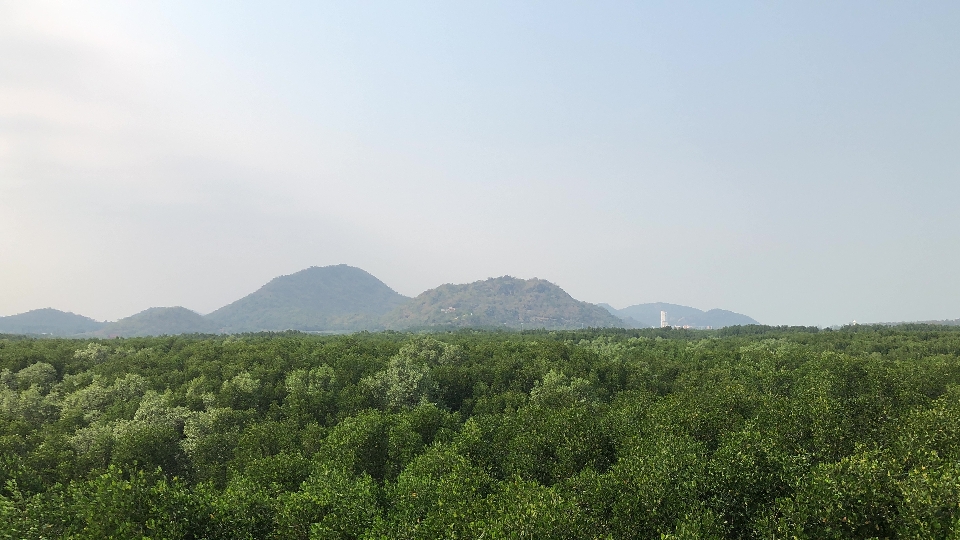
663	319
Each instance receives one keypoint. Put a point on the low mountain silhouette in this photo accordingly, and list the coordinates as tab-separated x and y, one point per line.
48	321
499	302
343	298
932	322
158	321
648	315
329	298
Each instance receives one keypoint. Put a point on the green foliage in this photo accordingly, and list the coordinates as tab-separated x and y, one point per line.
747	432
404	384
440	494
331	503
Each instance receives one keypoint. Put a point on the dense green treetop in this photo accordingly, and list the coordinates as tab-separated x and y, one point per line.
745	432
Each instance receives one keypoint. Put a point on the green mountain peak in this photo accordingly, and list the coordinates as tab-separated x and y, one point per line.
328	298
499	302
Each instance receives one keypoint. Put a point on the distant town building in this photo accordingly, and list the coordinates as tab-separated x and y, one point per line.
663	319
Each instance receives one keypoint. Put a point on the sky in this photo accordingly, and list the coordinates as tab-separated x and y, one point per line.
798	162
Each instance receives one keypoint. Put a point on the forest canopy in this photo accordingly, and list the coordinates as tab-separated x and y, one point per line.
745	432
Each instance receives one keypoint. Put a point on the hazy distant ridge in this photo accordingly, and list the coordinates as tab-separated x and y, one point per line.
158	321
48	321
343	298
648	315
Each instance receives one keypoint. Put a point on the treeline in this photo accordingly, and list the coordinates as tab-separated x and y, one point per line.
748	432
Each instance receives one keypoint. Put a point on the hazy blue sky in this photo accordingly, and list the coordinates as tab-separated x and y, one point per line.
797	162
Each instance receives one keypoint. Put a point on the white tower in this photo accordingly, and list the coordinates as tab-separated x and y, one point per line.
663	319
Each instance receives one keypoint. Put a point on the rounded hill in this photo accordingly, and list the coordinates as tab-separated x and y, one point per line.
498	302
48	321
158	321
328	298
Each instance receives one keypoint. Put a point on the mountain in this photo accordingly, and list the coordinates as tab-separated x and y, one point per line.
329	298
648	315
343	298
48	321
158	321
503	301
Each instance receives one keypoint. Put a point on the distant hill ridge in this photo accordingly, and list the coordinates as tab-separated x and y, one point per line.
158	321
942	322
344	298
504	301
48	321
648	315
